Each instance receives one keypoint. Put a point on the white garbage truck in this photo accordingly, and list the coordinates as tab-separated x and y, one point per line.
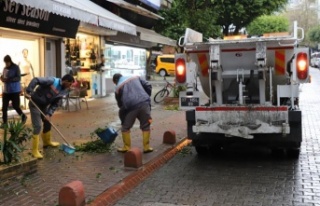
252	85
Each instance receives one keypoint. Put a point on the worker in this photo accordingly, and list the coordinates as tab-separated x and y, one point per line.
133	98
46	94
11	79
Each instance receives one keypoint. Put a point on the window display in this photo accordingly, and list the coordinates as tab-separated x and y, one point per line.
125	60
82	52
25	53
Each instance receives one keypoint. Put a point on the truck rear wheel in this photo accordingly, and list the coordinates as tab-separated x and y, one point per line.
293	153
202	150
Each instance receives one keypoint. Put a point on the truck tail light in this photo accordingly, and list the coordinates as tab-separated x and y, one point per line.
181	70
302	66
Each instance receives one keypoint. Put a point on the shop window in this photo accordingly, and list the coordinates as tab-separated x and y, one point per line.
126	60
82	52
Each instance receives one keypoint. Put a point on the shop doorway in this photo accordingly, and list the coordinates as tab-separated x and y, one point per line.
50	59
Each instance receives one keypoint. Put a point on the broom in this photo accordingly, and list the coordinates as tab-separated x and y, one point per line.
68	148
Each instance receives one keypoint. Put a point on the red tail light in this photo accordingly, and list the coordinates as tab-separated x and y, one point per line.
181	68
302	66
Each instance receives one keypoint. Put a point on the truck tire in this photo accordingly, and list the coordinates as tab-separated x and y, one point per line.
293	153
216	148
278	152
202	150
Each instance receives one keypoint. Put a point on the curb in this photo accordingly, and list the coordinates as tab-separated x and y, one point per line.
119	190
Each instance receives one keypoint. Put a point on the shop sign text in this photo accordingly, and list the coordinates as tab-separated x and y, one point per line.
23	17
13	7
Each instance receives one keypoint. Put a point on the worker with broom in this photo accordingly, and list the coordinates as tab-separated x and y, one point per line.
46	94
133	98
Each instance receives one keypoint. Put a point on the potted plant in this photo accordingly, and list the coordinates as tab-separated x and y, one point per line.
173	99
15	134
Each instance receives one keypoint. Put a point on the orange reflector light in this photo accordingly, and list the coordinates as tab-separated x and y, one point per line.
181	71
302	66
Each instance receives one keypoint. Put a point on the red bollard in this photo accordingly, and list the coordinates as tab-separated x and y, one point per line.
169	137
133	158
72	194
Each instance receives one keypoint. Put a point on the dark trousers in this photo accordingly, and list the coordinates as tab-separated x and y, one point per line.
143	114
15	99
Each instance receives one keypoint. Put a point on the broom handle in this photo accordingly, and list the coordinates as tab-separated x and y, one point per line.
49	121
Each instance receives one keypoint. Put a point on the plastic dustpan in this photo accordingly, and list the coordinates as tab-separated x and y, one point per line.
108	135
68	148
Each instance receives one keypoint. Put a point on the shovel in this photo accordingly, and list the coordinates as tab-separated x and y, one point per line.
68	148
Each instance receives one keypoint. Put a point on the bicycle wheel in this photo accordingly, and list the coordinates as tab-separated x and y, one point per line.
159	97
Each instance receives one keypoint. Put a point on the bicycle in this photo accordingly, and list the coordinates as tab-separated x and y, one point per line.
164	92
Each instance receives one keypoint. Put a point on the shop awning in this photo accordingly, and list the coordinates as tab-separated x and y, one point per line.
152	36
96	30
135	8
83	10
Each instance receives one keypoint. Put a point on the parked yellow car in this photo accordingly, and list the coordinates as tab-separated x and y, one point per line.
165	65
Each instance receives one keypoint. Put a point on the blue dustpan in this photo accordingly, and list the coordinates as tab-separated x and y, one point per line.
108	135
68	148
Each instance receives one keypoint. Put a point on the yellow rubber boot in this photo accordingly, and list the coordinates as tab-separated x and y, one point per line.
46	138
146	142
35	147
126	142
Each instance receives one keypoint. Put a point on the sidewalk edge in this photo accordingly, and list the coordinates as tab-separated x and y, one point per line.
119	190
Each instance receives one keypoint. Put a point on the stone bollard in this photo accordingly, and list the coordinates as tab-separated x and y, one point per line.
133	158
169	137
72	194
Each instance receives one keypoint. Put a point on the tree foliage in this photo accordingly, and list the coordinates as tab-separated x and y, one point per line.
210	17
187	14
267	24
306	15
314	34
241	13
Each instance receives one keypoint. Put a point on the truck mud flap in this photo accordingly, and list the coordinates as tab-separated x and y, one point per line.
191	120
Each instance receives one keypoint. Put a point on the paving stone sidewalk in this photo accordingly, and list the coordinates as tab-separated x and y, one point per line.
97	171
243	175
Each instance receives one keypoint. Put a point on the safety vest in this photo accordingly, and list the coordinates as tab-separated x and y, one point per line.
55	89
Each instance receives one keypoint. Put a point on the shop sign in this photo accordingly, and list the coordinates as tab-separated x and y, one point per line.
22	17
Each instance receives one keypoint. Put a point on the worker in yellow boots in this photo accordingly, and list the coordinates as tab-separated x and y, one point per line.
46	94
133	98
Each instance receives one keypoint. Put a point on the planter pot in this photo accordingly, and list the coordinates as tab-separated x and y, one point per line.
23	168
171	100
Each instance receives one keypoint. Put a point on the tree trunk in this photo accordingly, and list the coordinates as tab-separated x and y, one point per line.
226	30
236	30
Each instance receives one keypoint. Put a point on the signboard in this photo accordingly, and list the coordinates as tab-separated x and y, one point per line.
189	102
17	16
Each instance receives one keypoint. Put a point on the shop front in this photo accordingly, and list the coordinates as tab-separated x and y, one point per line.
32	38
44	36
125	54
82	55
94	59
